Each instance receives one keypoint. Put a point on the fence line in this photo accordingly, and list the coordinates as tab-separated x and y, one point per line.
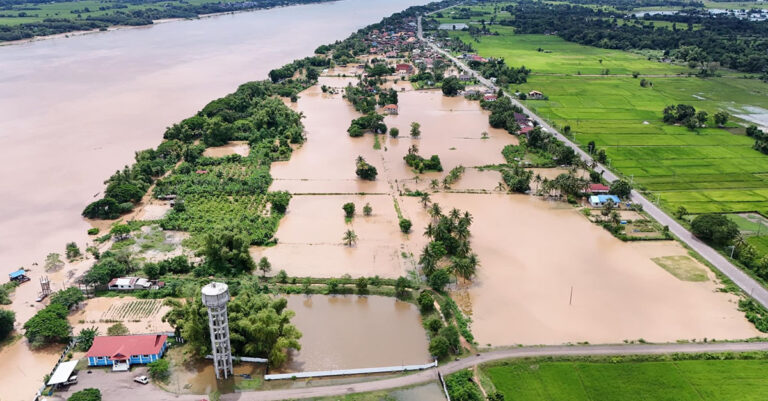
345	372
445	388
244	359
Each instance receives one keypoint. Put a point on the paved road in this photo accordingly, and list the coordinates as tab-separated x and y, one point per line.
431	374
746	283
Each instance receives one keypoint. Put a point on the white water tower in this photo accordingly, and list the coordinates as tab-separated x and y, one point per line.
215	298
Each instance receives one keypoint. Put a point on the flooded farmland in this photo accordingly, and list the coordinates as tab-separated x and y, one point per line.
618	292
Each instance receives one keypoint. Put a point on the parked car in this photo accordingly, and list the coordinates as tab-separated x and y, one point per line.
141	379
71	380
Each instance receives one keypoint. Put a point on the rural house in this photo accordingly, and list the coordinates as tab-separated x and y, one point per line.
390	109
404	69
601	200
134	283
598	189
535	95
121	352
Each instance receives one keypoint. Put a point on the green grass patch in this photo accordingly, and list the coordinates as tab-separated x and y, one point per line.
682	267
629	381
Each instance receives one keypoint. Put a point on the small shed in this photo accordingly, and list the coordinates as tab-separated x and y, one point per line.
19	276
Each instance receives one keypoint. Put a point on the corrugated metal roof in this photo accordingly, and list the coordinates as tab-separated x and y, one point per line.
62	373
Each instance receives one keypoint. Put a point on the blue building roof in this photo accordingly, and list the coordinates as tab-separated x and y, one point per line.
17	273
604	199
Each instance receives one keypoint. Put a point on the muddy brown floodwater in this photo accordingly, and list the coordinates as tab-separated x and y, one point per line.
532	252
348	332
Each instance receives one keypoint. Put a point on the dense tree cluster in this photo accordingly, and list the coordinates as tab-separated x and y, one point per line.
731	42
373	122
761	139
504	74
48	326
420	164
715	228
259	326
503	114
686	115
449	250
365	170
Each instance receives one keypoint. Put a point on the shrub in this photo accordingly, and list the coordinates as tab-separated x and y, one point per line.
89	394
159	369
349	210
405	226
93	231
426	302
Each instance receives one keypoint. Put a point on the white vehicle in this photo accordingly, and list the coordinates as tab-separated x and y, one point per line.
141	379
71	380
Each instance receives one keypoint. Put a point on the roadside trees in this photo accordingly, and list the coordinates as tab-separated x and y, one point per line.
715	228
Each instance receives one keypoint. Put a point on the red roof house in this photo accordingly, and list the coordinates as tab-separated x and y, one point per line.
391	109
122	351
404	68
598	189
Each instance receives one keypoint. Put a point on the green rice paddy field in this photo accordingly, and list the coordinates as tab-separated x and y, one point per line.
711	170
631	381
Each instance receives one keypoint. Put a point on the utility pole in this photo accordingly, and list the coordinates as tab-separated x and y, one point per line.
570	301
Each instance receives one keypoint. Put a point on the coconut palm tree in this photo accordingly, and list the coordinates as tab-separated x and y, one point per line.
434	184
446	183
500	187
454	214
425	199
349	238
537	180
435	211
429	231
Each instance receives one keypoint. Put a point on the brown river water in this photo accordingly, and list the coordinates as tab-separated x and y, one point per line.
73	110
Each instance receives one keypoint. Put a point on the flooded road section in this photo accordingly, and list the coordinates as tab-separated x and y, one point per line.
74	110
348	332
532	254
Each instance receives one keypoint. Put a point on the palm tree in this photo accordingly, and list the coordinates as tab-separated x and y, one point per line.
446	183
501	187
435	211
434	184
429	231
425	199
454	214
537	180
349	238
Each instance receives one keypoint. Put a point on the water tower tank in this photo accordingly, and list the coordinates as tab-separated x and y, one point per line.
215	298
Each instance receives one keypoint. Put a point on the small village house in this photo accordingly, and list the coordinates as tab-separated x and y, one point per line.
134	283
601	200
391	109
598	189
121	352
404	69
535	95
465	77
489	98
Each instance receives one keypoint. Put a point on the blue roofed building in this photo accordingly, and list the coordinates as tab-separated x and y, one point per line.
601	200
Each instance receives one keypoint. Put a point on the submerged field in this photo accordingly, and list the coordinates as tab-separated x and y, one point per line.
629	381
593	91
619	293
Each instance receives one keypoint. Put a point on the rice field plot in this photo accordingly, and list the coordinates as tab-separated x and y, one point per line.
592	90
561	57
134	310
629	381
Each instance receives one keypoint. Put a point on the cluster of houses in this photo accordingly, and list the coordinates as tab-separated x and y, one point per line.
397	39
